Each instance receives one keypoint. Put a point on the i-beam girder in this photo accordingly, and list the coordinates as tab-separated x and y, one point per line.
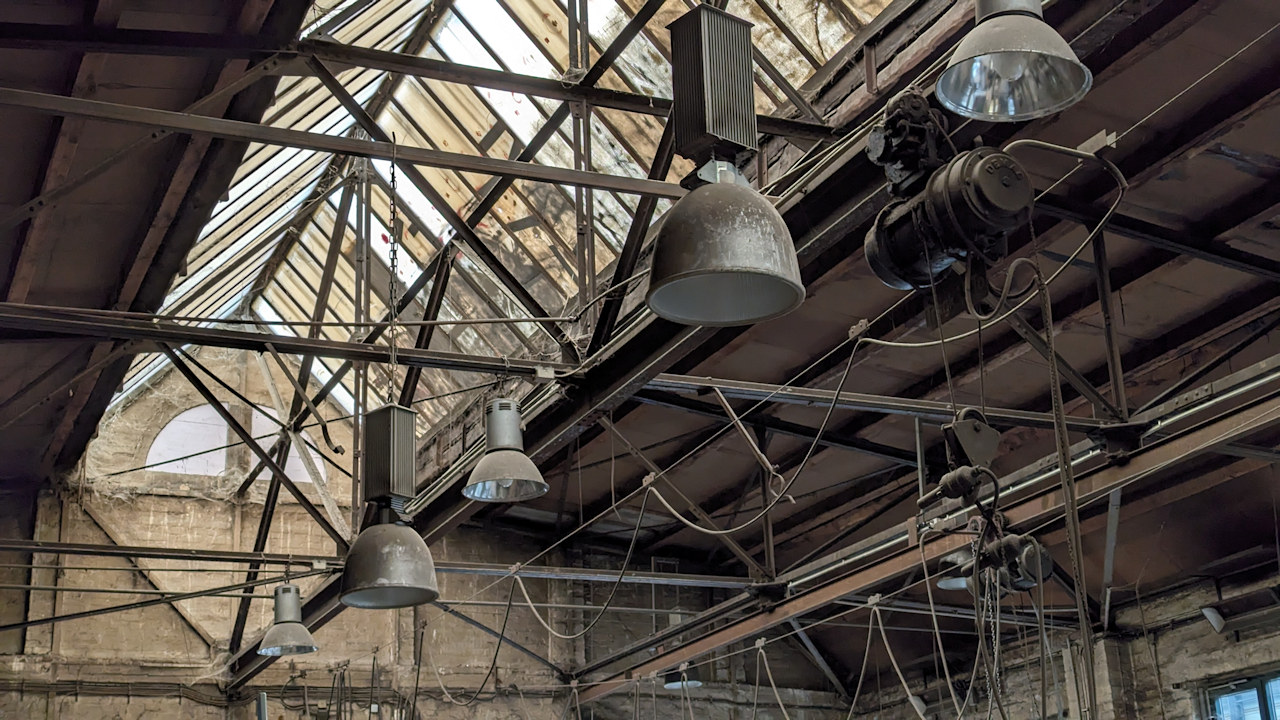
321	562
59	105
135	42
888	555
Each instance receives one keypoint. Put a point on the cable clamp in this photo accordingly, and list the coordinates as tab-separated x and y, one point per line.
759	643
515	569
573	684
873	601
684	666
649	479
856	329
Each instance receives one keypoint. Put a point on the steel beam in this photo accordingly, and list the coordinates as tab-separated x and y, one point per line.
818	657
319	142
247	438
448	609
159	600
463	229
892	554
1074	378
1164	238
1115	366
259	545
157	553
926	409
448	567
86	323
660	476
441	267
782	427
146	42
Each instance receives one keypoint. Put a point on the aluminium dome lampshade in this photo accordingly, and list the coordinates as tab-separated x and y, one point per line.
287	635
1012	66
389	566
505	473
723	256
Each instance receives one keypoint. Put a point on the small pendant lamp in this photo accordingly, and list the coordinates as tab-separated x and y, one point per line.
505	473
287	636
1012	67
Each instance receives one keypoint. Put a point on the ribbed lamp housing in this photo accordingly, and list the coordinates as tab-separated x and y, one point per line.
504	473
714	105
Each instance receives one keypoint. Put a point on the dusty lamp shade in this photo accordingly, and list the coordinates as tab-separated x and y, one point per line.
287	636
1012	67
505	473
723	256
389	566
686	679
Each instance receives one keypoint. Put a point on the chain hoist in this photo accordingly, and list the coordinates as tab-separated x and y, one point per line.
393	285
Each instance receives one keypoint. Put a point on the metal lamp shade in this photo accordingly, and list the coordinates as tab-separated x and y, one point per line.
678	680
389	566
505	473
723	256
1011	68
287	636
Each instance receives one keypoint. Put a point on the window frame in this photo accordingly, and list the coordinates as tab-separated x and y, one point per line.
1258	684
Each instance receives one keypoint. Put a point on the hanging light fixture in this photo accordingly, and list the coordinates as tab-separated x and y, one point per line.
684	678
722	254
1012	67
287	636
389	564
505	473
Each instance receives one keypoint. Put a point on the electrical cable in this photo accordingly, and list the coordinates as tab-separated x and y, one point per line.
937	632
493	665
768	671
635	536
862	671
875	613
804	461
1066	473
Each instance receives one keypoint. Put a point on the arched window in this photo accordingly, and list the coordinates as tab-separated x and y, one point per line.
191	444
194	443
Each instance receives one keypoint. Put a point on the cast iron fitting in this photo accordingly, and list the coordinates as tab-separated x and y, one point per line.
502	426
968	207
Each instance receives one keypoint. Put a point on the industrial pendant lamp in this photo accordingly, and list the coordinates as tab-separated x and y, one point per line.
722	254
389	564
287	636
1012	67
505	473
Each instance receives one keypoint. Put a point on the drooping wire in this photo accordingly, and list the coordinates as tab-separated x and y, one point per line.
635	536
768	671
884	636
804	461
493	665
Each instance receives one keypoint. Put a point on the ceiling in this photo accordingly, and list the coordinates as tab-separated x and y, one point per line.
1193	258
